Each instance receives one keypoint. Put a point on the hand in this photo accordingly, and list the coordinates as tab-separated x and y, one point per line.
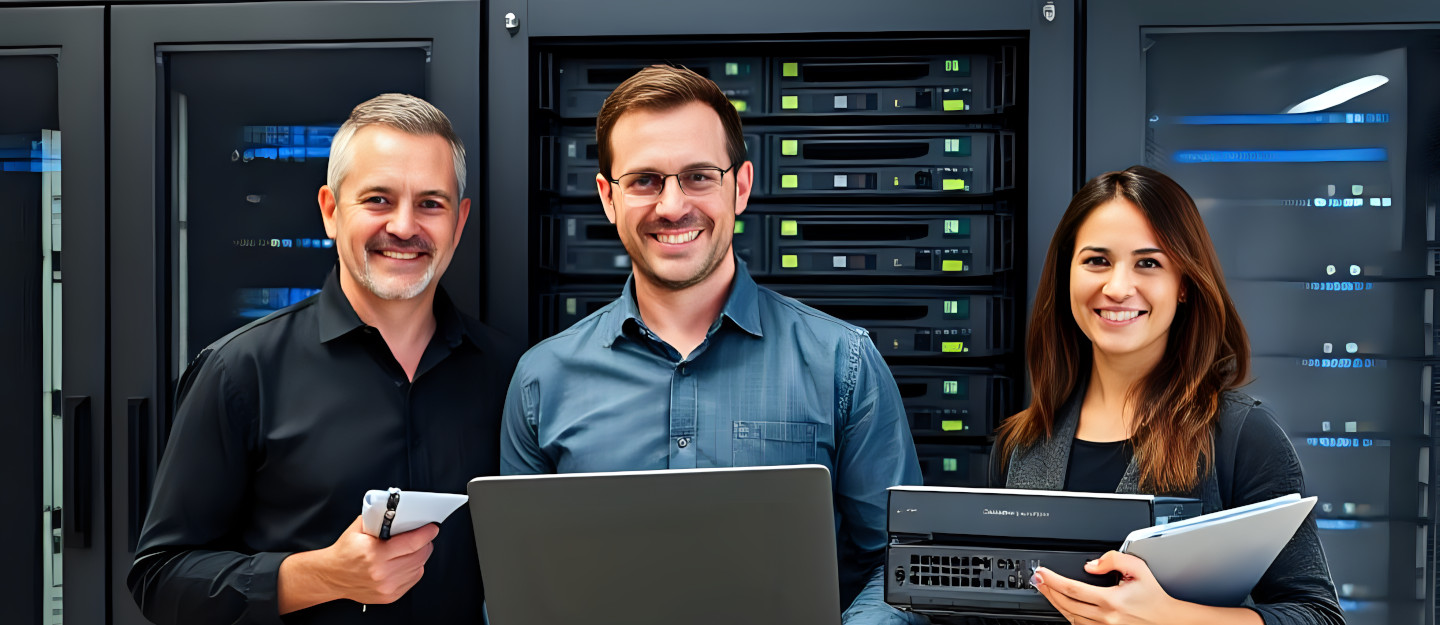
1138	600
358	566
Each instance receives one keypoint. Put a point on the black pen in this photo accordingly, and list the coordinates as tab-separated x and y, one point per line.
390	506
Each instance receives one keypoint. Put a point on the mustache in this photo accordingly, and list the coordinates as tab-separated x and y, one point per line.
387	241
690	220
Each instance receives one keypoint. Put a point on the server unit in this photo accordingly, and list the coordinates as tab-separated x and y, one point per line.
951	401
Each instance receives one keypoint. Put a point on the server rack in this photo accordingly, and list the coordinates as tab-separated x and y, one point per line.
896	182
1323	213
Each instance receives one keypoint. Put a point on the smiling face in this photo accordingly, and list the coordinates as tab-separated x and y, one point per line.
675	241
396	218
1123	289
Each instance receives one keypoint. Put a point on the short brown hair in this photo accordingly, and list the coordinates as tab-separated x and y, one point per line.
1207	350
660	88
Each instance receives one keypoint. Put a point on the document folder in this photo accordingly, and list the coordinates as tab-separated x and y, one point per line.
1216	559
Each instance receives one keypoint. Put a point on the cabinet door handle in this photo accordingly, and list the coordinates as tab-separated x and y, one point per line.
141	464
79	460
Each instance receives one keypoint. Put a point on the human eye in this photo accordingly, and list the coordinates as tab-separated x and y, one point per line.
702	176
641	182
375	199
1147	263
1095	261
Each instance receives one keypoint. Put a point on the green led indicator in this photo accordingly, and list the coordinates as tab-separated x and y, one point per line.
952	307
732	69
789	181
952	425
953	105
952	226
790	102
952	265
739	227
789	227
952	347
958	65
789	147
951	464
789	261
959	146
790	70
952	387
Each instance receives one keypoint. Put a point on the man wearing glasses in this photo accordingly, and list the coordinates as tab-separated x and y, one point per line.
696	366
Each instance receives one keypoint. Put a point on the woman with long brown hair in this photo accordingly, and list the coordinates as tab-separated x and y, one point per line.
1135	353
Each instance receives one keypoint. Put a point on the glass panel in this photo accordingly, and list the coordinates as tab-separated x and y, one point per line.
249	139
1311	155
30	320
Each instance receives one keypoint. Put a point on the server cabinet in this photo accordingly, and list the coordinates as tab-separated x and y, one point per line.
1310	151
903	161
228	110
51	66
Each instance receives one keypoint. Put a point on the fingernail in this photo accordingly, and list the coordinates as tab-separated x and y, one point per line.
1090	562
1035	579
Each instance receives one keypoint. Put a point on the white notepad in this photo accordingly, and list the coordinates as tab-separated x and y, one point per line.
1216	559
414	509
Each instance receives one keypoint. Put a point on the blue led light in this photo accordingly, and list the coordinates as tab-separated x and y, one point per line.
1277	119
1339	442
1337	524
1342	155
1339	286
1342	363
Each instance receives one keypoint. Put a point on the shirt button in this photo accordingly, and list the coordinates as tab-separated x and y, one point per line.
684	370
683	442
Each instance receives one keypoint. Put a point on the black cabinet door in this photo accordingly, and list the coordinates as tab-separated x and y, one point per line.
1305	131
51	63
222	119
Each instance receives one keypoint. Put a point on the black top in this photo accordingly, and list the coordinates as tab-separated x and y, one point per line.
1254	461
1097	467
281	428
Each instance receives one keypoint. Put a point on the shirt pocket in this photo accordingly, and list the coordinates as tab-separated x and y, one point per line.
764	443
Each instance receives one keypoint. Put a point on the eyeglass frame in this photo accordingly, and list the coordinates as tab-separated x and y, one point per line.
664	178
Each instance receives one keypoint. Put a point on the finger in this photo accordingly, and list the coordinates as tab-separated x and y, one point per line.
414	539
1072	589
1129	566
1059	602
1074	611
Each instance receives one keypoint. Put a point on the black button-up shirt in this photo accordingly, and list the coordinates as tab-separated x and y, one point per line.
282	427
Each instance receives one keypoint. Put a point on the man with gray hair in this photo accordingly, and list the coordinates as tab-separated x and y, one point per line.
377	381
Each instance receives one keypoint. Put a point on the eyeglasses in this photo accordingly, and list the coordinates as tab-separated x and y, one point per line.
697	182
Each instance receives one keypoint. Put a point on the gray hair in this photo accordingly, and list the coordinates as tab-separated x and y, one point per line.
402	112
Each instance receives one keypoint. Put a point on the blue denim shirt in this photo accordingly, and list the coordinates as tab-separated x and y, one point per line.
775	382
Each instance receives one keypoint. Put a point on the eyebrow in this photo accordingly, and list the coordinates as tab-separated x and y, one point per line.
1106	250
440	193
656	170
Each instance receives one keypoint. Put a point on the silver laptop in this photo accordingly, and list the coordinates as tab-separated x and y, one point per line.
751	545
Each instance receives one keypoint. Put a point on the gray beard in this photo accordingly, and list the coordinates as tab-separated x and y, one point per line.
391	293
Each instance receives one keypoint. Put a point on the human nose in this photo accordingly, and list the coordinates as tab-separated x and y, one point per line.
671	203
402	221
1120	285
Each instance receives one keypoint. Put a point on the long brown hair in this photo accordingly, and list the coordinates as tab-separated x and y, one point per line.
1206	351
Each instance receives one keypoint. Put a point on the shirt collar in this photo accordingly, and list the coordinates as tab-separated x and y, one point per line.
338	317
742	306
